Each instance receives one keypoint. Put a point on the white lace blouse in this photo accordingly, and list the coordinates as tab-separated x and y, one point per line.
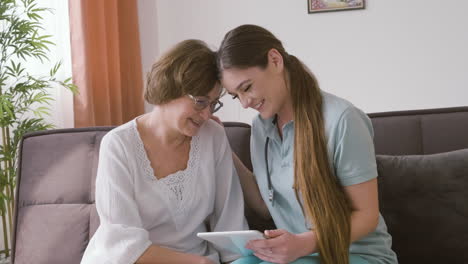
137	210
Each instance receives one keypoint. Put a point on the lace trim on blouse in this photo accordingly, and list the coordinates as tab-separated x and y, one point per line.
176	186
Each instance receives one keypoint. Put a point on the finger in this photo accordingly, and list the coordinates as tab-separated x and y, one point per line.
259	244
275	233
268	243
264	251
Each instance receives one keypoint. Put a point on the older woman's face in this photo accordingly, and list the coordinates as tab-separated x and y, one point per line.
184	116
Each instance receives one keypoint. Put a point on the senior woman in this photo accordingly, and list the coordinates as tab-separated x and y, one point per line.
168	174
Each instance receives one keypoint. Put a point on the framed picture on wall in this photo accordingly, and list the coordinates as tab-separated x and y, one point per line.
316	6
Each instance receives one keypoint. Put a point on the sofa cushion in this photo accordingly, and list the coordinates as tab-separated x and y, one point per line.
52	233
55	213
424	200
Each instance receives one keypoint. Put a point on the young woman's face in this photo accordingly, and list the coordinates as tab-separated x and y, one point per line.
261	89
184	116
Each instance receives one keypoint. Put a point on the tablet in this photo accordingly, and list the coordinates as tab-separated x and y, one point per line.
233	241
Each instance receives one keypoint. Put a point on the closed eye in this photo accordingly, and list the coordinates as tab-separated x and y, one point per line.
201	101
234	96
247	88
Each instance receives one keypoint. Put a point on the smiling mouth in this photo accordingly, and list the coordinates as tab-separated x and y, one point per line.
257	106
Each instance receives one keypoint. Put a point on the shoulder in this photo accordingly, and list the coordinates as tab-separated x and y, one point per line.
338	111
120	136
334	107
212	128
211	131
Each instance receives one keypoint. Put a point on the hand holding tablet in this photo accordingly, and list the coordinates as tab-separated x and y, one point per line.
233	241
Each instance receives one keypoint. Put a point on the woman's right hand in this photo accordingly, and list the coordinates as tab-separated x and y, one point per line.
283	246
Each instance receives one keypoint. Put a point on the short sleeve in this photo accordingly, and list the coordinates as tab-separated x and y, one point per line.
354	156
120	238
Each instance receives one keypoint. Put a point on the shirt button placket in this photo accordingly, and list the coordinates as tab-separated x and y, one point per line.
285	149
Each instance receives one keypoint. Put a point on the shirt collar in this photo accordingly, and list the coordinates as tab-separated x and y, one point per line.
270	129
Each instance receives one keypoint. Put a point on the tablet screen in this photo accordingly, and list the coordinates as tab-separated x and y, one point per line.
233	241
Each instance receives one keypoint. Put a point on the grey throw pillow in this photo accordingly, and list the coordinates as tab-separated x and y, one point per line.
424	200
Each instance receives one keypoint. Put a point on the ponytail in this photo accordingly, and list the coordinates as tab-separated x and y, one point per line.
325	203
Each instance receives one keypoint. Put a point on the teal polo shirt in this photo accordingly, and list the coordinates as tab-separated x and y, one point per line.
351	152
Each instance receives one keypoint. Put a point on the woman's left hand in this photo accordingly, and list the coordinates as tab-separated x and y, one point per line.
282	246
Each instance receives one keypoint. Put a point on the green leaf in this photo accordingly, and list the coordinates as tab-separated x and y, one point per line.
1	113
41	111
7	108
55	69
10	71
42	98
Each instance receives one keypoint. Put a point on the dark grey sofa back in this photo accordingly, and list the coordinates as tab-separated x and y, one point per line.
55	214
420	131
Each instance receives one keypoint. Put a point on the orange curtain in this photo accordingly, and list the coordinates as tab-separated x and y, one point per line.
106	61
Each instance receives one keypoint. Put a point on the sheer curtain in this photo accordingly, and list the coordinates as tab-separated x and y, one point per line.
56	25
106	61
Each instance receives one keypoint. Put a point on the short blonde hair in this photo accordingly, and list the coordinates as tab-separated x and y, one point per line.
188	68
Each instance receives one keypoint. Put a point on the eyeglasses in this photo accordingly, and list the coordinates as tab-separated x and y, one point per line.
201	103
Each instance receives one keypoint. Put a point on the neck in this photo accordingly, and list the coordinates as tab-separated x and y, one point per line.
158	125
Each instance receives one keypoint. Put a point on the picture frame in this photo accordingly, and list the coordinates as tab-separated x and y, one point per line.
319	6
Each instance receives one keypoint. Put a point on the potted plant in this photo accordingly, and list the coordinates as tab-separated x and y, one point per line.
24	98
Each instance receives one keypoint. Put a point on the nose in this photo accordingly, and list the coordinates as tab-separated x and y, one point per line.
206	113
245	101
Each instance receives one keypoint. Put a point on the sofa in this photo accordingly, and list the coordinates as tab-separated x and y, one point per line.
422	163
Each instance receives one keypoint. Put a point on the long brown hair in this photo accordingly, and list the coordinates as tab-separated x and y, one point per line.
324	201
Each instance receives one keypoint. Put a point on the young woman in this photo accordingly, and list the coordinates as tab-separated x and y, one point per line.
168	174
313	158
